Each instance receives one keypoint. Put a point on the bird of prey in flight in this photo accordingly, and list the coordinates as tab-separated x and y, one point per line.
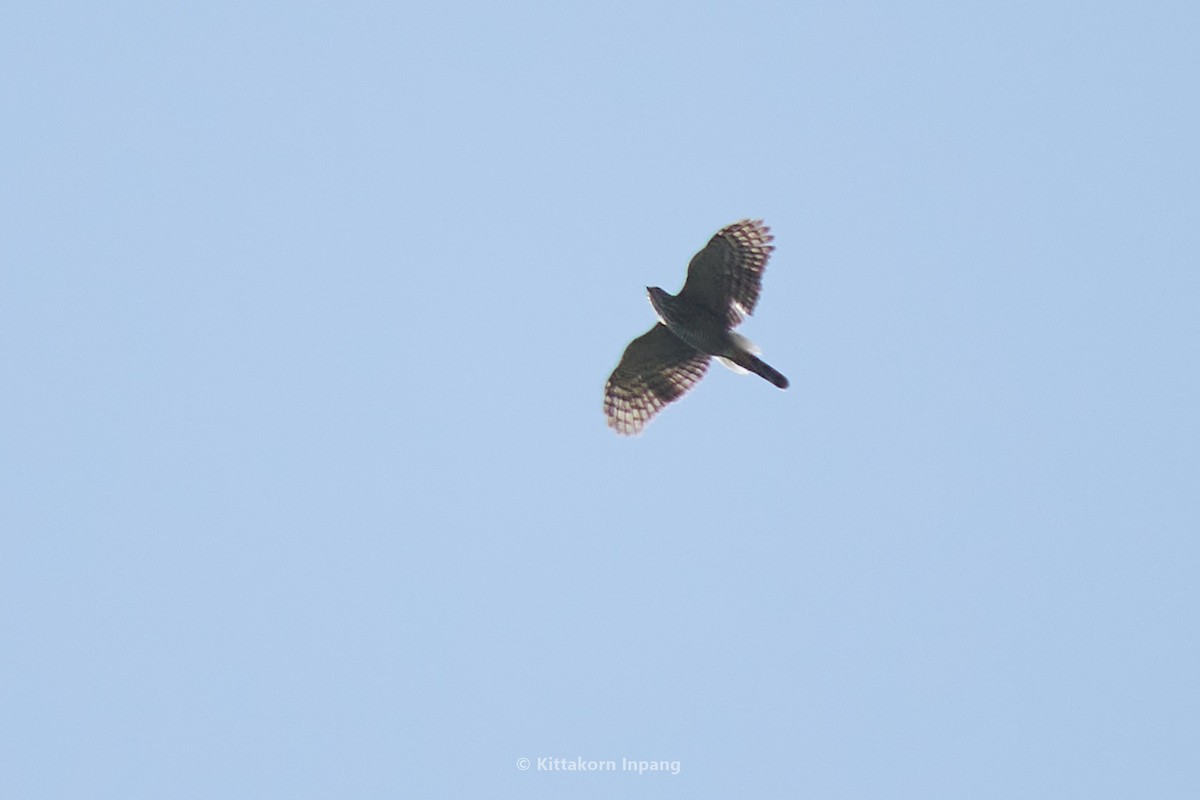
723	283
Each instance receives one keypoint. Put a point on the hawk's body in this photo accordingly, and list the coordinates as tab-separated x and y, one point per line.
723	284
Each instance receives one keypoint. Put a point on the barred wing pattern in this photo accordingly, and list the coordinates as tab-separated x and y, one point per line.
726	276
656	369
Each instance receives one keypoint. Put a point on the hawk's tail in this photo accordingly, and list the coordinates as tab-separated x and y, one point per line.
765	370
747	358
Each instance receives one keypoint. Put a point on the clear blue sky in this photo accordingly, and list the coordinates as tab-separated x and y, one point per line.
306	312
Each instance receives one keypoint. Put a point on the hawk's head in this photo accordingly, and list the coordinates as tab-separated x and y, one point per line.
661	301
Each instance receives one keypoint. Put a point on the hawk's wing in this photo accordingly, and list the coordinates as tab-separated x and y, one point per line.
726	276
656	369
